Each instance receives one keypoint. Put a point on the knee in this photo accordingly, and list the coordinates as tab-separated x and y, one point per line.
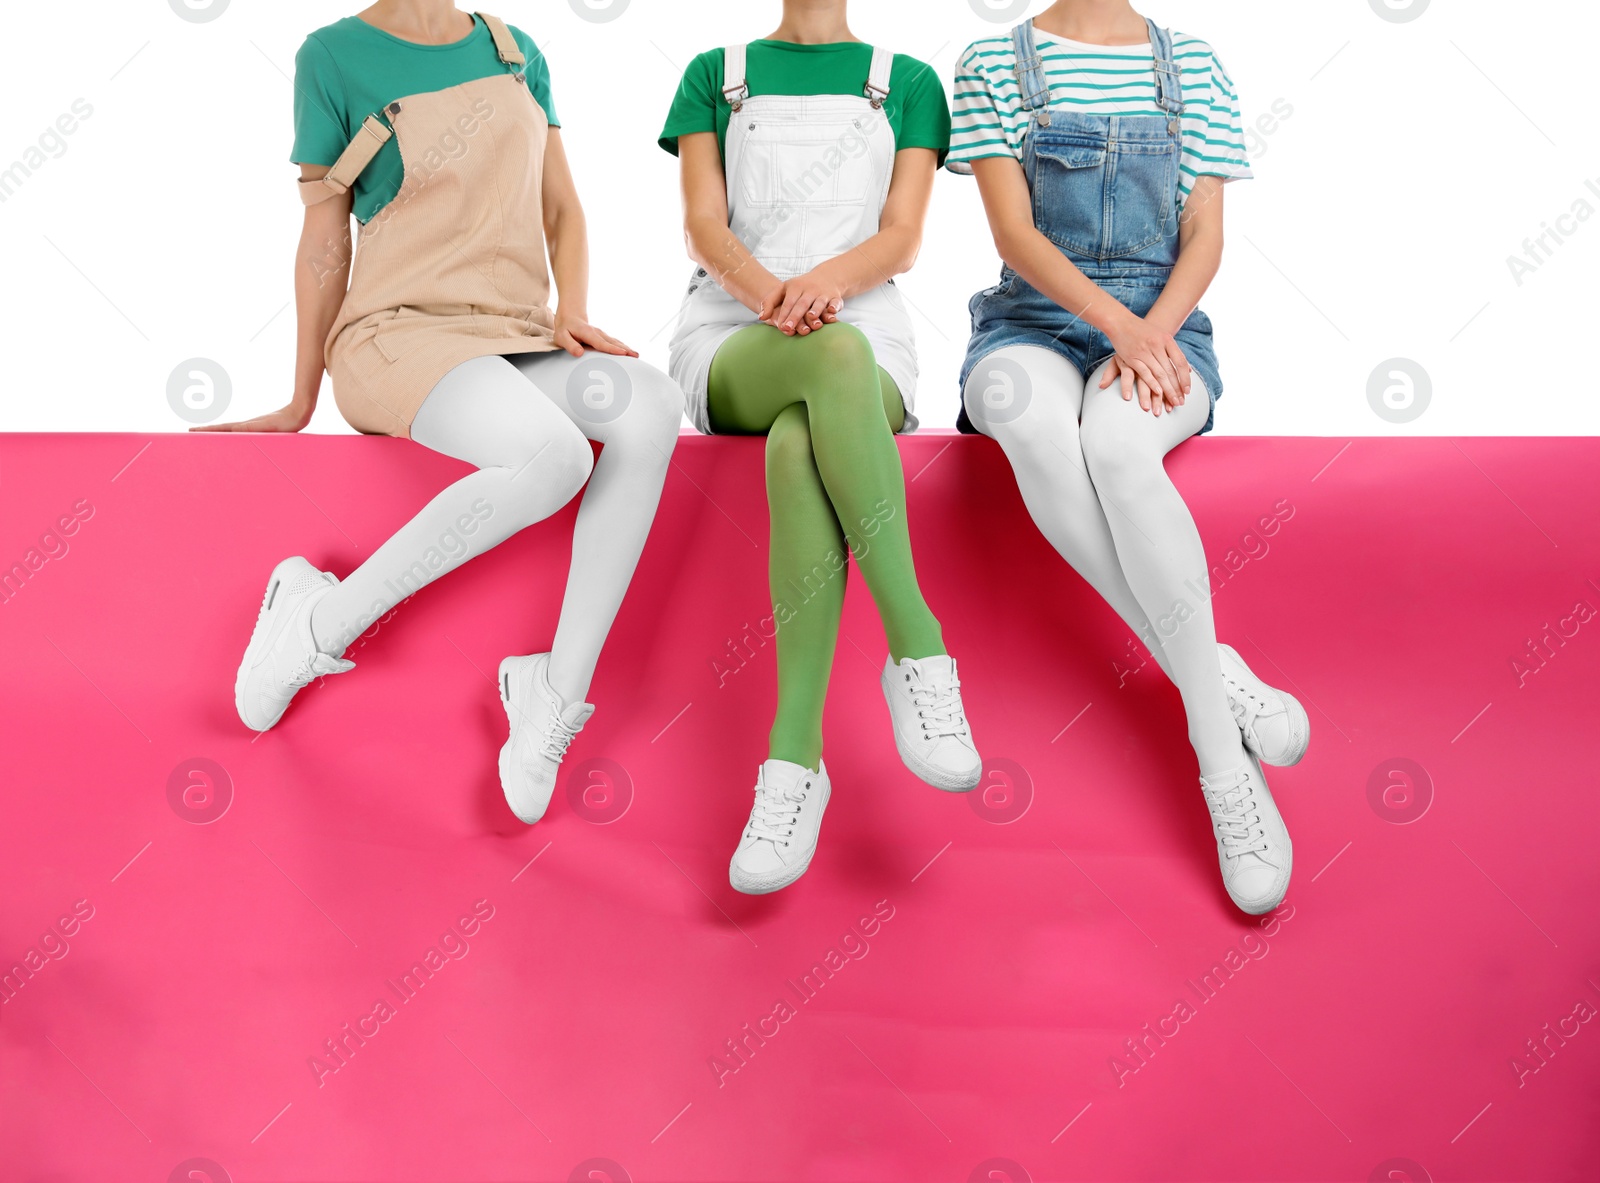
570	461
555	467
655	409
1029	410
623	401
1112	454
841	373
843	345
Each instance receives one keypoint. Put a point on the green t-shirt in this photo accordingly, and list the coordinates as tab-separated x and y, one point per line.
918	112
350	69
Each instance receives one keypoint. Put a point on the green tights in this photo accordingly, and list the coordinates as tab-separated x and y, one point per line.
835	488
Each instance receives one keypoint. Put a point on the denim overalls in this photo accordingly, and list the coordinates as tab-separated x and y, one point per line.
1105	191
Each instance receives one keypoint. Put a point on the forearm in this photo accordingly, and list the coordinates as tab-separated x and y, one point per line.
322	277
721	254
890	252
1199	257
567	233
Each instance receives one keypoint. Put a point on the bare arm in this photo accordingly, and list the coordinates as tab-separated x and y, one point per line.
711	244
1145	349
566	232
567	237
1199	256
812	299
807	302
321	278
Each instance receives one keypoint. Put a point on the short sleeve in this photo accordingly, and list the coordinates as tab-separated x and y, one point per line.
321	118
981	115
694	107
537	71
924	111
1224	154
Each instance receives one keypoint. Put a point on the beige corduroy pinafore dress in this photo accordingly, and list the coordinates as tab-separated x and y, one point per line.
453	267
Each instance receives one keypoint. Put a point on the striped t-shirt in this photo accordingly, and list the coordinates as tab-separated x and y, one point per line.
1097	80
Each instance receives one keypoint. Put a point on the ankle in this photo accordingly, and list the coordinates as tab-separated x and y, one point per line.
1218	756
329	641
806	755
569	686
917	644
1220	761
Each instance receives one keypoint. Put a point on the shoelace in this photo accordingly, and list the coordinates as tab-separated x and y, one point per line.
1235	819
1246	708
313	666
775	813
939	707
556	738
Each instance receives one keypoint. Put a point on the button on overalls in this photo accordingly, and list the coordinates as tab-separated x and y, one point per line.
453	267
1105	192
807	179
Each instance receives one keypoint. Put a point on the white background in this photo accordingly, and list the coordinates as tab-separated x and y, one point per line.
1418	157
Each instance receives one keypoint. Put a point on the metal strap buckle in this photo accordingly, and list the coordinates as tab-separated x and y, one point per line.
876	95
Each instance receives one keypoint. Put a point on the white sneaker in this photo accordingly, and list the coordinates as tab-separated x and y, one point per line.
930	724
1253	845
781	836
282	657
1274	724
542	726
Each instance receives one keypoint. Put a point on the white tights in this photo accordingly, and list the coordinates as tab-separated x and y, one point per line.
1091	470
526	421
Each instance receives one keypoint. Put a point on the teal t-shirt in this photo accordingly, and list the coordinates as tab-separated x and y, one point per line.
350	69
917	109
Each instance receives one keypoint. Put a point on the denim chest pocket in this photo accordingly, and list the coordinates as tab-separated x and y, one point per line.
1070	194
1105	201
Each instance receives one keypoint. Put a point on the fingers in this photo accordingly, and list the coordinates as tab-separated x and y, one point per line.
770	304
1148	383
811	319
1166	378
589	337
606	343
565	339
264	423
794	303
1180	364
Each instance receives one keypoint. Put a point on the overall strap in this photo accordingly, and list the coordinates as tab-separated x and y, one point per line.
352	162
1030	74
504	43
735	86
1169	76
878	80
374	133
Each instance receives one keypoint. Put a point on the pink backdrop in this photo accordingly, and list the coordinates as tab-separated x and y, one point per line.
197	912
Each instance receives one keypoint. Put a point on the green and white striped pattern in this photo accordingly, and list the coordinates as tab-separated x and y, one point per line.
1097	80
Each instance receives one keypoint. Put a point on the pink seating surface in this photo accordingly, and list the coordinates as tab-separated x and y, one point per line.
330	953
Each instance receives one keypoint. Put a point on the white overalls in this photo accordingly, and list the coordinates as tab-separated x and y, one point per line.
807	177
